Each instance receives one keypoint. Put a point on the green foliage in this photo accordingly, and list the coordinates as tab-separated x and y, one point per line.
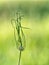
37	38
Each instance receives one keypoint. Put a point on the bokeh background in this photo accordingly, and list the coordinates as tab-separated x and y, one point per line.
36	17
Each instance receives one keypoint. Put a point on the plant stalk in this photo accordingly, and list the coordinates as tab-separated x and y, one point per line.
19	58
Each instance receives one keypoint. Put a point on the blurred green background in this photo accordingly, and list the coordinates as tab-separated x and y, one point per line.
36	17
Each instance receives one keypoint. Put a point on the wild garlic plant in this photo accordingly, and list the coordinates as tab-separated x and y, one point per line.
19	37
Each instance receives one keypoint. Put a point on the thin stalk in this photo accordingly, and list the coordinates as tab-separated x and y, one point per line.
19	58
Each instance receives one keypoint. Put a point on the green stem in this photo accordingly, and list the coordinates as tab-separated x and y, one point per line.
19	58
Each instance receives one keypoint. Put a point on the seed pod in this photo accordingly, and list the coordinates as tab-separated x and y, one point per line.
21	48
